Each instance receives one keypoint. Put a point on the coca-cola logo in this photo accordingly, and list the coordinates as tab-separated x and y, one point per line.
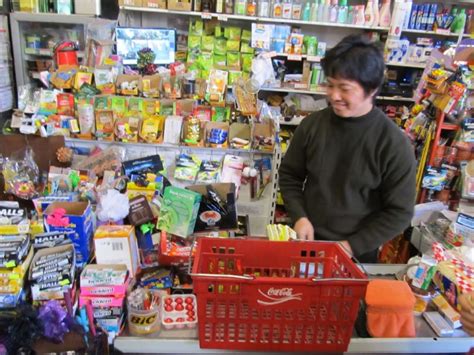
288	292
275	296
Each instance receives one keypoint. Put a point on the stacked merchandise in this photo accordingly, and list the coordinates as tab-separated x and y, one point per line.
16	254
104	287
64	7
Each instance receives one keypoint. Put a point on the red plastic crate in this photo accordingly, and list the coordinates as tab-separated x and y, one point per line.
301	296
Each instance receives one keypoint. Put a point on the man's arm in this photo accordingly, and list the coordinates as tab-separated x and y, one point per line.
398	193
292	174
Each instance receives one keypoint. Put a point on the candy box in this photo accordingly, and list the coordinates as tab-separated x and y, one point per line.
179	311
179	210
104	280
117	245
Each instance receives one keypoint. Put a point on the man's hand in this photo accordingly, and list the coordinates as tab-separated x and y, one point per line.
304	229
467	312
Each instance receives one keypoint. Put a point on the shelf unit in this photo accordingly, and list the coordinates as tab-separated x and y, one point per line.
47	27
226	17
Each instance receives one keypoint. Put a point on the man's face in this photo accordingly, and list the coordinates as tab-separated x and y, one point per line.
348	98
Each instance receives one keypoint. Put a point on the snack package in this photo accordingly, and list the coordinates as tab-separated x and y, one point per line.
21	174
126	128
208	172
217	86
104	79
82	78
150	85
187	167
65	104
104	124
151	129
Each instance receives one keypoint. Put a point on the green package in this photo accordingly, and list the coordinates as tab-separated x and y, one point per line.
219	60
119	104
246	36
196	28
245	48
101	103
194	42
233	76
205	74
233	33
233	60
219	114
232	46
207	43
179	210
166	109
218	32
135	104
220	46
205	61
247	62
193	56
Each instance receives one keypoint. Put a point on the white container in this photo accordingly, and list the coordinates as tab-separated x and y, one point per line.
376	11
409	4
87	7
385	15
369	13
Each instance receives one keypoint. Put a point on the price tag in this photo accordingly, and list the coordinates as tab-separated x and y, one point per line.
295	57
45	51
313	58
206	16
269	54
221	17
301	86
30	50
23	228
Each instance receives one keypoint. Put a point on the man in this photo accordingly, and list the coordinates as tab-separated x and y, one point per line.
349	173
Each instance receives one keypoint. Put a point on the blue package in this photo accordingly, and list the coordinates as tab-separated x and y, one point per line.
432	17
419	17
414	13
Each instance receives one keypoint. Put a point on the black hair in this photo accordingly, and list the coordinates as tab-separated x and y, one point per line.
356	58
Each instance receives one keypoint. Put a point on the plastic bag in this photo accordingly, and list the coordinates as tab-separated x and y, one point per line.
113	206
101	160
21	174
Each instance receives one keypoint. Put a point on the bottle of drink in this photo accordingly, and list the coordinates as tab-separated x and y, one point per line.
325	16
277	9
264	8
296	10
369	13
240	7
314	10
229	7
459	22
342	12
333	11
251	7
385	15
360	15
350	15
219	6
376	13
307	12
287	5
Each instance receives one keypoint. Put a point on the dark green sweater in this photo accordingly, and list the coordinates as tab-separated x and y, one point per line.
360	178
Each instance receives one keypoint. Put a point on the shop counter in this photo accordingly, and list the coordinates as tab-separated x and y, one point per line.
426	341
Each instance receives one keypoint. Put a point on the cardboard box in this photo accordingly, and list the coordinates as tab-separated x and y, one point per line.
184	5
155	4
179	210
267	131
208	218
136	3
45	295
117	245
127	84
78	218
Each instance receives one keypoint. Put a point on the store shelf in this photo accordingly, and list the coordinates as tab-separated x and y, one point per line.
77	141
395	98
226	17
434	33
290	90
407	65
46	52
51	17
298	57
450	127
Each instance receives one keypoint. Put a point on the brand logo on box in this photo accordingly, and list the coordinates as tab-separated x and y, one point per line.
275	296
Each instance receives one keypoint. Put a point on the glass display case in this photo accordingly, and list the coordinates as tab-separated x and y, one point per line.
37	38
6	77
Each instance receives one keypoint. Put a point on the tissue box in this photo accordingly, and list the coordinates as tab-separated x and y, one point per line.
117	245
